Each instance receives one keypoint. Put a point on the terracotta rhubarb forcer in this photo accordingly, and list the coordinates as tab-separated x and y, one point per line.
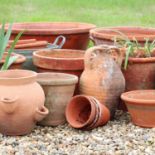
85	112
77	34
60	60
21	102
17	64
59	89
102	76
106	35
140	73
141	106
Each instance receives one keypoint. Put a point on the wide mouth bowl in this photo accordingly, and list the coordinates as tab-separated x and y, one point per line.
140	33
51	27
79	111
56	79
60	54
139	97
19	60
17	76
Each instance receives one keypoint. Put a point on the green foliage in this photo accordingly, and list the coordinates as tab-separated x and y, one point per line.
4	39
133	47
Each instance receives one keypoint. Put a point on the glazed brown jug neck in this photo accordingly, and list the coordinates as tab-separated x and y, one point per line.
106	51
17	77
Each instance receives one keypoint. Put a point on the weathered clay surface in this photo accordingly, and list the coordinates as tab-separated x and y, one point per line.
102	77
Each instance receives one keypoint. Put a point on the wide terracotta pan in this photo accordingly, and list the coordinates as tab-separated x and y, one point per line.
105	35
60	60
77	34
141	106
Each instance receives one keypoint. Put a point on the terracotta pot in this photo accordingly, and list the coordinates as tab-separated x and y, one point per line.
21	102
17	64
77	34
59	89
140	73
106	35
60	60
85	112
141	106
102	77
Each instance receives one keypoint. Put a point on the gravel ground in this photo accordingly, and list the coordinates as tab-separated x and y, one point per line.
118	137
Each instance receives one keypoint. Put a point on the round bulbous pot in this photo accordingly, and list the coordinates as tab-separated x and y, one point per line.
61	61
102	76
15	65
58	88
76	34
141	106
106	35
21	102
86	113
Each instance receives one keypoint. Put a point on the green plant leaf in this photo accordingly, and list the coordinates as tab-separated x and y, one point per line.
5	65
12	59
6	38
127	54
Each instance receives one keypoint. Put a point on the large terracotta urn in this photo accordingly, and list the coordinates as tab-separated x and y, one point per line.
21	102
102	76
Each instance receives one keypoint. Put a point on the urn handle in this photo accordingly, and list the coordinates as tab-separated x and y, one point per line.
9	104
95	51
40	113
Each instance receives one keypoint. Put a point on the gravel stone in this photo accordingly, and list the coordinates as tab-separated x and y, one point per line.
118	137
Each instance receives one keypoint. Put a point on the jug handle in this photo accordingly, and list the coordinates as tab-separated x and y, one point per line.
91	53
40	113
9	104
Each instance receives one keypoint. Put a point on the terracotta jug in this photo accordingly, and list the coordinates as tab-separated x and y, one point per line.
21	102
102	77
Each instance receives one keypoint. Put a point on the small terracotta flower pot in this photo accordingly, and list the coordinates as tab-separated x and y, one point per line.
104	113
58	89
76	34
85	112
105	35
141	106
60	60
17	64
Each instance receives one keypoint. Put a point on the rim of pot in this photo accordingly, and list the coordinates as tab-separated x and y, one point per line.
130	97
36	53
142	60
17	76
76	28
49	78
19	60
96	32
74	123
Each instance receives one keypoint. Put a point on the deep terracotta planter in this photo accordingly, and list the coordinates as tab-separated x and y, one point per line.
59	89
21	102
140	73
106	35
60	60
141	106
77	34
85	112
17	64
102	76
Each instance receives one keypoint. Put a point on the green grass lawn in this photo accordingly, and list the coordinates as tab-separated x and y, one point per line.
99	12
